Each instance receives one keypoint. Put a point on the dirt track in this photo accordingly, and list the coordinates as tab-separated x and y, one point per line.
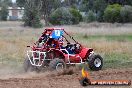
12	77
59	80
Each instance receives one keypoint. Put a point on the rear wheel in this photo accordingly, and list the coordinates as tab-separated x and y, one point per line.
95	62
57	64
28	67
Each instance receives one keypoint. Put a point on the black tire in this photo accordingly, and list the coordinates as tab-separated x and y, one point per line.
55	63
95	62
28	67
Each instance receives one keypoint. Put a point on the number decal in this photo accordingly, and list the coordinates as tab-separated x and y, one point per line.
57	32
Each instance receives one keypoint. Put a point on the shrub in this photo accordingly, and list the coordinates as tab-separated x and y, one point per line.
60	16
76	16
126	13
90	17
112	13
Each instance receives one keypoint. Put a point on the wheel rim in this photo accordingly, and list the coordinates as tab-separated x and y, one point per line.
97	62
59	66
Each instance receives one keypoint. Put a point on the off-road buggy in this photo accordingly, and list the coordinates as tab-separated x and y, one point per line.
55	50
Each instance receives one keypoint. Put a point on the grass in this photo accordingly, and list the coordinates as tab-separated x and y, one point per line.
108	37
117	60
114	46
115	49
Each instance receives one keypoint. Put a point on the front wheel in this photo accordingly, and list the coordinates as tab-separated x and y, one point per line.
95	62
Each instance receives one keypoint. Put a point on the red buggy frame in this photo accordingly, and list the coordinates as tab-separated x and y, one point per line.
49	51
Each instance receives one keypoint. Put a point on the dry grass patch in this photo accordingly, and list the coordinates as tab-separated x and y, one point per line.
14	38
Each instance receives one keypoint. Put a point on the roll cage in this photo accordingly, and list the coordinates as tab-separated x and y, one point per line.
53	36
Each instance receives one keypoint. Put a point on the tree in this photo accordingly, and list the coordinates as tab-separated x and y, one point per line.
99	7
56	4
112	13
76	16
0	3
121	2
4	9
20	3
47	7
86	5
32	13
94	5
126	13
70	3
61	16
66	16
4	13
5	2
90	17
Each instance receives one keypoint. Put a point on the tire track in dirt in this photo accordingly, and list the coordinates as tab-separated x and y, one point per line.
61	80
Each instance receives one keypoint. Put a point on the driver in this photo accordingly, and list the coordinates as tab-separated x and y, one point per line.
42	40
70	48
61	42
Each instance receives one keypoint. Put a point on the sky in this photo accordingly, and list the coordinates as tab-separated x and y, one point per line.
13	0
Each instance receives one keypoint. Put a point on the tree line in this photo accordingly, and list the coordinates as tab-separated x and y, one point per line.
59	12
